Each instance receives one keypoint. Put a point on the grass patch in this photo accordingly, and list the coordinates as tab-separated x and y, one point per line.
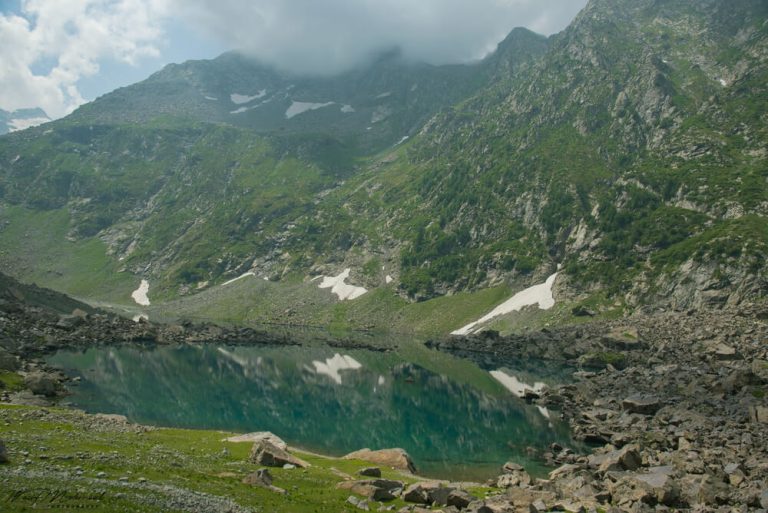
11	381
148	470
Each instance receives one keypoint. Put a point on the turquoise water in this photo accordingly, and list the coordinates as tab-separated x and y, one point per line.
450	414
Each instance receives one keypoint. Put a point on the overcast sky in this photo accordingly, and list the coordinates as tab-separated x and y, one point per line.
58	54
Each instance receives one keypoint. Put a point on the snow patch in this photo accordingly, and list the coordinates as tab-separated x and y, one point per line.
516	386
380	114
297	108
389	279
723	82
239	360
211	98
140	295
401	141
544	412
332	366
240	110
16	159
538	294
347	109
139	317
340	288
15	125
239	99
233	280
384	95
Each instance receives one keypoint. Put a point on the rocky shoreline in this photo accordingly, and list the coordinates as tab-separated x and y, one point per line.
675	402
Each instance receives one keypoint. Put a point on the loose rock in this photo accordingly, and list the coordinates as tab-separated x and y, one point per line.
394	458
266	453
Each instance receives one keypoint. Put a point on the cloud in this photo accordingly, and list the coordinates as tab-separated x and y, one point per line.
49	45
313	36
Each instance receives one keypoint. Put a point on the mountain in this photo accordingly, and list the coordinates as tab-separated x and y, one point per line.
21	119
628	151
371	107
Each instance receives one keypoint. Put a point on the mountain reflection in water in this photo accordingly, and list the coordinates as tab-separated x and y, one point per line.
459	424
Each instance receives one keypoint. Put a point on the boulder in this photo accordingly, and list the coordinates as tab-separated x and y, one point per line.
564	470
764	499
657	486
394	458
623	339
703	489
258	437
642	404
416	494
516	478
374	489
510	467
758	414
41	383
3	453
263	479
725	352
69	322
460	499
439	496
626	458
382	495
760	370
370	472
77	312
478	507
268	454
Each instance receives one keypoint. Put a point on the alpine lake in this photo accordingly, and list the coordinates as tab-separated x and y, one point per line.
459	418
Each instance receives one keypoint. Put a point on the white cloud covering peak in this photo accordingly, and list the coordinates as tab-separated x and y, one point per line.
65	40
313	36
50	47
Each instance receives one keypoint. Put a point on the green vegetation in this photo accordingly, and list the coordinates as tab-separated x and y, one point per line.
619	168
151	469
11	381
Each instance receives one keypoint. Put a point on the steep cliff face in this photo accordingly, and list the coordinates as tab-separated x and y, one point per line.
633	153
630	150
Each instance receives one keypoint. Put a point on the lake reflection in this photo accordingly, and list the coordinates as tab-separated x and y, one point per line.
453	417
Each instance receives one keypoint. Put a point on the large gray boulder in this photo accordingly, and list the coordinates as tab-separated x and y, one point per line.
267	454
626	458
656	486
395	458
41	383
642	404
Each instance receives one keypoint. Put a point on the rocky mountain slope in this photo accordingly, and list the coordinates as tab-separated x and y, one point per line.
21	119
629	150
